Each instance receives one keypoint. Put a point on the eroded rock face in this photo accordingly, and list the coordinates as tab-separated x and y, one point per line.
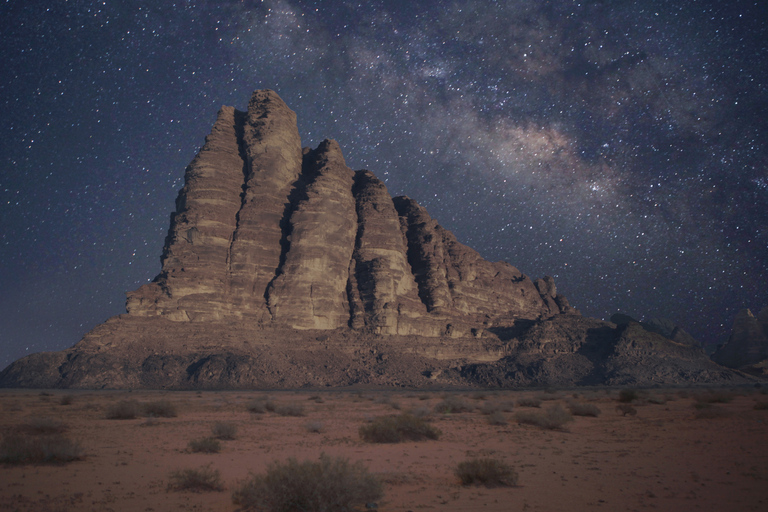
748	343
268	233
285	268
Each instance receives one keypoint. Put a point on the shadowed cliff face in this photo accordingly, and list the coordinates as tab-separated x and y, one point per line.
266	232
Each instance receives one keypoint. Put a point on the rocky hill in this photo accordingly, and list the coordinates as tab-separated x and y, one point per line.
747	347
285	268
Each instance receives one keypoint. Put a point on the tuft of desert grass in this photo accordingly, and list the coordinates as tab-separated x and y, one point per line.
709	412
159	409
204	445
497	418
396	429
528	402
42	425
123	410
553	418
453	405
625	409
25	449
196	480
315	427
224	431
488	472
628	395
582	409
330	484
289	410
257	406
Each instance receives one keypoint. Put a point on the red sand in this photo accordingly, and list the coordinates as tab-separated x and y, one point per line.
663	458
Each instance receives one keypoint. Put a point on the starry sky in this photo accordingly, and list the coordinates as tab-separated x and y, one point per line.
619	146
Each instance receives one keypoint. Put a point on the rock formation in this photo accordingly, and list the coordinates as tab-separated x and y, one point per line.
283	267
748	344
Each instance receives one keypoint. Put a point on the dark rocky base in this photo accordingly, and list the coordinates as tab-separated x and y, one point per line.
568	350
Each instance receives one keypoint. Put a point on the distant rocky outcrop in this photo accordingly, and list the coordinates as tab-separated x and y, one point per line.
663	326
747	347
283	267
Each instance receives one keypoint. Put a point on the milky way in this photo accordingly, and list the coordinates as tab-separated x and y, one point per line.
620	147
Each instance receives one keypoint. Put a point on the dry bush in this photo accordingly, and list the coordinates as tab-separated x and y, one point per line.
492	407
710	412
625	409
224	431
528	402
552	418
714	397
497	418
580	409
66	400
657	400
315	427
42	425
159	409
628	395
123	410
21	449
453	405
332	484
204	445
421	412
395	429
488	472
257	406
289	410
196	480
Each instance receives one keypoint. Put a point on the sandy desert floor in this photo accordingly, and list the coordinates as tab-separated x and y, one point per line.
665	457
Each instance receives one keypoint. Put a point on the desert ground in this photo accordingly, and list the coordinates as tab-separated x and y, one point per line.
673	449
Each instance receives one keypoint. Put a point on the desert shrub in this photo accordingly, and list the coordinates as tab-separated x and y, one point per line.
42	425
657	400
552	418
492	407
528	402
710	412
123	410
316	398
421	412
628	395
714	397
453	404
223	430
256	406
204	445
761	406
331	484
497	418
22	449
488	472
197	480
270	405
625	409
395	429
314	427
159	409
289	410
66	400
579	409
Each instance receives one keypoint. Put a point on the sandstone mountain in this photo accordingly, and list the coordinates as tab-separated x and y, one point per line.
284	268
747	347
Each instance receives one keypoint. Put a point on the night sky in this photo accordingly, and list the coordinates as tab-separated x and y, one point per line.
621	147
